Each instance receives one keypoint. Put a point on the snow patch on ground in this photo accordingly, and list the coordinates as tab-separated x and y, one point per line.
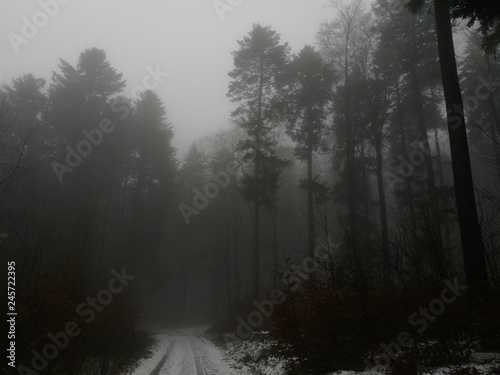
259	355
146	365
191	353
186	352
485	363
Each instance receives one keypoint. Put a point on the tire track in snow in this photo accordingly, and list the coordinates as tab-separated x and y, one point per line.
200	369
160	364
189	354
181	359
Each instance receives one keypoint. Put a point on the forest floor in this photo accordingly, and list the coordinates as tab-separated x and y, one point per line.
190	352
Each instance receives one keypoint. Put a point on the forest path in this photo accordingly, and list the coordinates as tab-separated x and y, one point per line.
187	353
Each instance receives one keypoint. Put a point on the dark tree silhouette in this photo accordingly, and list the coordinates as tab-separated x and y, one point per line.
258	64
470	230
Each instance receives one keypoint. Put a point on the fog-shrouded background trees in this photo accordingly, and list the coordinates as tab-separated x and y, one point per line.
359	147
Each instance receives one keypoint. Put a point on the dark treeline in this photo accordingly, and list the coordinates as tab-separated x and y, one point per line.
87	182
334	185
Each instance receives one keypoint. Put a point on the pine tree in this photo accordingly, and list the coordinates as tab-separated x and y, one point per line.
309	94
258	64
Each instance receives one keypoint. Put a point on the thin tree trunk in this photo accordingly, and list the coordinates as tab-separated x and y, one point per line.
274	223
383	214
431	181
256	243
496	121
409	188
441	179
310	211
441	183
236	232
228	253
349	141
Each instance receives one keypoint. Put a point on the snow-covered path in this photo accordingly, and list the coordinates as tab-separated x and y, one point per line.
186	353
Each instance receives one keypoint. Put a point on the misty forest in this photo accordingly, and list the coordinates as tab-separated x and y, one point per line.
348	218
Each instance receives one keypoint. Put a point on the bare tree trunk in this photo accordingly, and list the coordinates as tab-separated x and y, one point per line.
310	211
383	214
236	232
228	252
431	181
409	188
274	223
496	122
470	230
256	243
441	183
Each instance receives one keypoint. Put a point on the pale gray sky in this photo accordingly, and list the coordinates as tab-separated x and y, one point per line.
184	37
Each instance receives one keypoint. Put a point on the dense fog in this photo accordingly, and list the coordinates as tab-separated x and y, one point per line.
236	187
